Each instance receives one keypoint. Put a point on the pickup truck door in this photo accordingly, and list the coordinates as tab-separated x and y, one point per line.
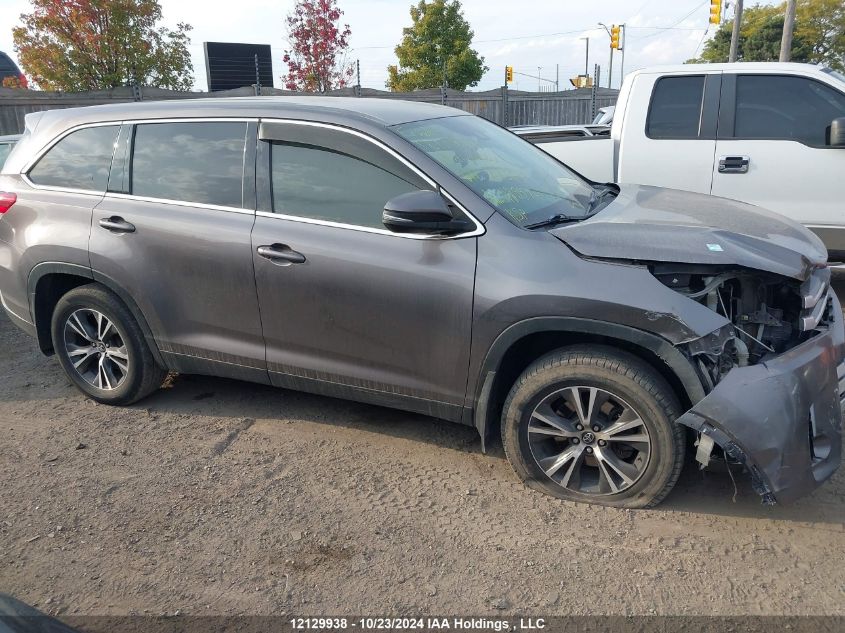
772	149
675	148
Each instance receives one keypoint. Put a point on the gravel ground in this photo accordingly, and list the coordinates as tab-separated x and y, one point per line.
219	497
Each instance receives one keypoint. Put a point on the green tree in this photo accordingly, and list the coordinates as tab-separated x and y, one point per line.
763	44
74	45
821	24
819	35
435	46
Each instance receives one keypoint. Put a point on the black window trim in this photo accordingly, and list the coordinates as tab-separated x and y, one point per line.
727	110
708	111
30	165
265	209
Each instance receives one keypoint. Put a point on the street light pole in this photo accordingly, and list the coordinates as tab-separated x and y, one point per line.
610	66
624	35
587	59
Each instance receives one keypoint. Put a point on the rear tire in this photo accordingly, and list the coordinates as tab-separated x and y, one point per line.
594	424
101	347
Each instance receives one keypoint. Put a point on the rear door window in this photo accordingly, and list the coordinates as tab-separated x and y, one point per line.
200	162
81	160
785	108
675	111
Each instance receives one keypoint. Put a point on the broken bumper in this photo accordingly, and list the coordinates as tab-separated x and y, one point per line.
782	418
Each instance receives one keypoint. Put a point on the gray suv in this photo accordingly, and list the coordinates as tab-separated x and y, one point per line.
414	256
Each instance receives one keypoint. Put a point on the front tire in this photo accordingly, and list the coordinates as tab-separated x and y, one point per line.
101	347
594	424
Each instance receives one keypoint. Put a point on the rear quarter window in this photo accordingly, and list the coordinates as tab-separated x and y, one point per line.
81	160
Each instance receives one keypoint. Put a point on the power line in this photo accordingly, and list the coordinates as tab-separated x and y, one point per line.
675	25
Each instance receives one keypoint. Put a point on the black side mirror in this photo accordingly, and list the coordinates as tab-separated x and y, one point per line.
837	132
420	212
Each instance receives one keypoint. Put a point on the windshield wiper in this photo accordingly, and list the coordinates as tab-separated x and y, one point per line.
558	218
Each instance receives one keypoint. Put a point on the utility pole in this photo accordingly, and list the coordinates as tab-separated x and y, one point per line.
735	33
788	27
539	87
358	75
257	79
557	77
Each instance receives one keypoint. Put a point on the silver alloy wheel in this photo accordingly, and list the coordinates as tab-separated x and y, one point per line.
96	349
589	440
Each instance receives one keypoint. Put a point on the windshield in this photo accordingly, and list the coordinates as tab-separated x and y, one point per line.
836	74
604	116
5	150
519	180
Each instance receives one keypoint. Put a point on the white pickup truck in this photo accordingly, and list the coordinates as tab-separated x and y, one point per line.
770	134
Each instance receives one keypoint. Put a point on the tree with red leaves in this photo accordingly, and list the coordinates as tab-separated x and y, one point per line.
317	59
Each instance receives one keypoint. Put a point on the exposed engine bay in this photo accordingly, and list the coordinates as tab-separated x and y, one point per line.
769	314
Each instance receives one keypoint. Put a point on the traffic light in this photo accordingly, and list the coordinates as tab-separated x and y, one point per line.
715	11
508	74
614	38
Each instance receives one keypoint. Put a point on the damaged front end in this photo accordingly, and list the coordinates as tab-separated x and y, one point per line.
772	374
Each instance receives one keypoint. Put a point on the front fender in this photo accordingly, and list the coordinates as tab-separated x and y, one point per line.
484	411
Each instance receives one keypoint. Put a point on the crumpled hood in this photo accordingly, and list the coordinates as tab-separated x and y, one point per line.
666	225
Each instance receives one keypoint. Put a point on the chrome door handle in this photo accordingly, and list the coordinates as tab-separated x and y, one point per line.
117	225
734	164
281	254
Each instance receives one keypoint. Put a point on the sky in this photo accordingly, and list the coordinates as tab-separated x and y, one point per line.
527	34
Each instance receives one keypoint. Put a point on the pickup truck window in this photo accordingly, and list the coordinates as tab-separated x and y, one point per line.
519	180
785	108
675	110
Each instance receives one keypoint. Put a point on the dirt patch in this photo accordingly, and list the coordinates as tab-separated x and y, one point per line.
219	497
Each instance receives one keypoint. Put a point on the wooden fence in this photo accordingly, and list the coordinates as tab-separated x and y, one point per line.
505	107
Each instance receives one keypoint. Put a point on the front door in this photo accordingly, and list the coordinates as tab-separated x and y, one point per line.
177	240
774	152
348	308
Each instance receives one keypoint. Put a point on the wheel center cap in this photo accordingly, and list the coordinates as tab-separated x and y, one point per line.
588	438
100	346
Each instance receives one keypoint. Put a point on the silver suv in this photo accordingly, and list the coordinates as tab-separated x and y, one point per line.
417	257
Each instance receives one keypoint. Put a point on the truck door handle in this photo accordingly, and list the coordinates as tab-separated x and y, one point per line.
281	254
117	225
734	164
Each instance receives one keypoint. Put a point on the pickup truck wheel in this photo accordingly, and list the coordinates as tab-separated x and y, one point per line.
595	425
101	348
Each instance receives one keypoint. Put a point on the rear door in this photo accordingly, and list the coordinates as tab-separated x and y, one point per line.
773	149
350	309
675	148
174	232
